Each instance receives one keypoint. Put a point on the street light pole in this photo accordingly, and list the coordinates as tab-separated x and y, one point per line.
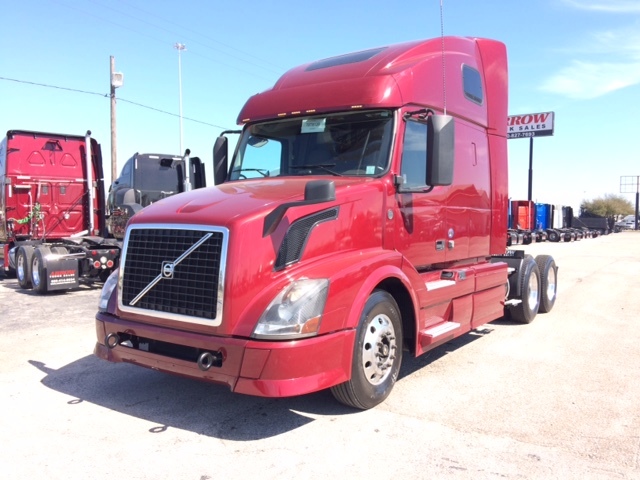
116	80
180	47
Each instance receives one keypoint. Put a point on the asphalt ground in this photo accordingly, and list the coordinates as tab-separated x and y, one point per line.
556	399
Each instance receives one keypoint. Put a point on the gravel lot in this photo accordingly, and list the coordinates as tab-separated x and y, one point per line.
556	399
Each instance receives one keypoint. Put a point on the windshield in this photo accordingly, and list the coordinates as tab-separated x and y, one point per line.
344	144
153	175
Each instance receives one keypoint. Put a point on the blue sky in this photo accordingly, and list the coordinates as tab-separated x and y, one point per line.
577	58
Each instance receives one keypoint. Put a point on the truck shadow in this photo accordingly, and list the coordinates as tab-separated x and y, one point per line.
168	401
12	284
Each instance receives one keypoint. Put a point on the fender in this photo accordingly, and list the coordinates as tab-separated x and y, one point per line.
385	265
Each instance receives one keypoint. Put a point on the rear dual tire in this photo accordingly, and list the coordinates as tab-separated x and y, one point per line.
24	256
538	288
38	269
548	282
527	309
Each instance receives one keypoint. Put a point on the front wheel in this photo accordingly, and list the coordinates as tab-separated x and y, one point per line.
377	354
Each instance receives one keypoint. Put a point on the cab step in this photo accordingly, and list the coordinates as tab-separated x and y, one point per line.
438	333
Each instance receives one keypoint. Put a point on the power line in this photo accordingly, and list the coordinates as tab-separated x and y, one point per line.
106	95
265	65
53	86
174	33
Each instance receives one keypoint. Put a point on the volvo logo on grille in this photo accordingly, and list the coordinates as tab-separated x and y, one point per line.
167	269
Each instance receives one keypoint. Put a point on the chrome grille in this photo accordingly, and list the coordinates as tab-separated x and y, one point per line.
175	271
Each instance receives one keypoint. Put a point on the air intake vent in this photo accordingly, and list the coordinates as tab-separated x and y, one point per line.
296	238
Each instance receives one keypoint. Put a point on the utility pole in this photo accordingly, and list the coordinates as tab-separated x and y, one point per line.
115	80
180	47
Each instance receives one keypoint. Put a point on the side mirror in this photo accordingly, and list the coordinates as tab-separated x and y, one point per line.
317	191
197	171
181	174
220	160
440	150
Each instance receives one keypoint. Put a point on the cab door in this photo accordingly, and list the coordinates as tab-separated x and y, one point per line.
421	234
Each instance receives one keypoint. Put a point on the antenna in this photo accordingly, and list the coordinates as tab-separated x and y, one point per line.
444	80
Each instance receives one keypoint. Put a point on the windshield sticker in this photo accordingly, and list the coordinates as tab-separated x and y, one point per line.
313	125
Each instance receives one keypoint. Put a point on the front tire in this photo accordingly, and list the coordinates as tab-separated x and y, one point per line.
24	255
377	354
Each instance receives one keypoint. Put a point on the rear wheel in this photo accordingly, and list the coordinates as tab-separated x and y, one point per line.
38	270
377	354
24	255
548	282
527	309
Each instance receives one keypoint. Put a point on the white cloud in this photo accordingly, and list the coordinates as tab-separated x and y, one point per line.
587	80
610	6
607	61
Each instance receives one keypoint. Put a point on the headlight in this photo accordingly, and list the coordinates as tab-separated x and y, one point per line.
295	312
107	290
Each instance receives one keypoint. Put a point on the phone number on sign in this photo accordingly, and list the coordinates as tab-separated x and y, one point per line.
521	135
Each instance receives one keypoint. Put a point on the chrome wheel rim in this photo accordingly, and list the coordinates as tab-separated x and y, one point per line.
551	284
20	268
532	298
35	271
378	349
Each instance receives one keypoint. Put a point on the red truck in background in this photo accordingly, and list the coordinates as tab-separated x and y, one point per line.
52	221
359	220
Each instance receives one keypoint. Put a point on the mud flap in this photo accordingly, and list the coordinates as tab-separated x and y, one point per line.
514	259
61	274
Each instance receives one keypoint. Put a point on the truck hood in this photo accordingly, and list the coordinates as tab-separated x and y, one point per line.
222	205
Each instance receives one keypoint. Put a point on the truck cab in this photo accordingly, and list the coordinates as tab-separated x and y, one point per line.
146	178
361	217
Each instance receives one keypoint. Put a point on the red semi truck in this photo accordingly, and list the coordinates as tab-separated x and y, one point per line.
52	211
359	220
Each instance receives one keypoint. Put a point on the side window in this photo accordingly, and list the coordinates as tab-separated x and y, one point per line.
414	156
472	84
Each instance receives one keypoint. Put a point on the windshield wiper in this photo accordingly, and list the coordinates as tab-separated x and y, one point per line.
261	171
322	166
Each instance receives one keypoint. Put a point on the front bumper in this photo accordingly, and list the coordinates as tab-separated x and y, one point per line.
262	368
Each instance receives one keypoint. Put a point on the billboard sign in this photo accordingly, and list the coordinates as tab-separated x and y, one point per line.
530	125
